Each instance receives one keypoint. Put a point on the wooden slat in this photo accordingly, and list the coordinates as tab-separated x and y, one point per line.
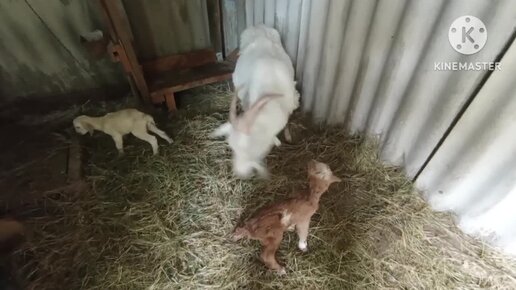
180	61
175	81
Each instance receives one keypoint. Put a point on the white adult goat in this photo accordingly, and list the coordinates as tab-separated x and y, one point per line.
264	82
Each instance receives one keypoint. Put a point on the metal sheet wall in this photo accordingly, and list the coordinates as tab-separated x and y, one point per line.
40	50
473	172
370	65
165	27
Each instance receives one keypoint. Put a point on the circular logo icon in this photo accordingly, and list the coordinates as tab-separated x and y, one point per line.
467	34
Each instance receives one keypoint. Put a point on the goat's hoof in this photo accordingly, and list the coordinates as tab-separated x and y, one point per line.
282	271
303	246
170	141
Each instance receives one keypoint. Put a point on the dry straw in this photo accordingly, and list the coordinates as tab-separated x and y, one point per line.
163	222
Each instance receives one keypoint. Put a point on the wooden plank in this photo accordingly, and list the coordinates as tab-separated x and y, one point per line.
115	19
180	61
175	81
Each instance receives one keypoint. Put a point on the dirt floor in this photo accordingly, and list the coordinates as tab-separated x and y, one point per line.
163	222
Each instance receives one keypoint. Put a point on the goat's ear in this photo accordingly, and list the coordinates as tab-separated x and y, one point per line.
88	127
335	179
222	130
248	118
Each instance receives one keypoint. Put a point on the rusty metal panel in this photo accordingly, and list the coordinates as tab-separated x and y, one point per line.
165	27
41	52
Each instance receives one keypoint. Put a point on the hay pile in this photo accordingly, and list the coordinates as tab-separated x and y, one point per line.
163	222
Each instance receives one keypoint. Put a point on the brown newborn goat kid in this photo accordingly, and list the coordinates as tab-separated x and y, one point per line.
269	223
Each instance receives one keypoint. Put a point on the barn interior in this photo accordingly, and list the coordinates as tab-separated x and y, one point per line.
97	220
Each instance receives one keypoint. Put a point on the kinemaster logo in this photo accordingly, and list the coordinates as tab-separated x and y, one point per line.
467	35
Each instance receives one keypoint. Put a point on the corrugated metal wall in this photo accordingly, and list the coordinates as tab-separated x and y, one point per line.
40	50
165	27
369	64
474	171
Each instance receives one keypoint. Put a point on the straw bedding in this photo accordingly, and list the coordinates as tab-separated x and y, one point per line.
163	222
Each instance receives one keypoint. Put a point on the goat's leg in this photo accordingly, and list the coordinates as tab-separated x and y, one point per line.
261	170
277	142
302	233
287	135
143	135
119	143
268	256
160	133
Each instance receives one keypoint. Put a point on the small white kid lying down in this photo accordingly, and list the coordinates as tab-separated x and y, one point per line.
120	123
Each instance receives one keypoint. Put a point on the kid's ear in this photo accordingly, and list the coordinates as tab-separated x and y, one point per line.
222	130
89	128
335	179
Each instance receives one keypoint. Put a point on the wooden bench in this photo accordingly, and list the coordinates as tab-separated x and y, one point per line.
171	74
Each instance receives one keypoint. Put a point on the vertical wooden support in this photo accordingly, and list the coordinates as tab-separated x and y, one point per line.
170	101
121	35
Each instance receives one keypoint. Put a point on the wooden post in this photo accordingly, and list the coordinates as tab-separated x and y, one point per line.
121	35
170	101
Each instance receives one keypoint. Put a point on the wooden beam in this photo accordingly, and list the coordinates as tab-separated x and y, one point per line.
117	22
180	61
179	80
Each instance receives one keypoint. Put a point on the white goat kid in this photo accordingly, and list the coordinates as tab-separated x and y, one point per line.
120	123
264	82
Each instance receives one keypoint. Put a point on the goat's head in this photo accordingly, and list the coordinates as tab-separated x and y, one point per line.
82	126
238	134
320	176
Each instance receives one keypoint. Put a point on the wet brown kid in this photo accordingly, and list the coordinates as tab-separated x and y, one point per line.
269	223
